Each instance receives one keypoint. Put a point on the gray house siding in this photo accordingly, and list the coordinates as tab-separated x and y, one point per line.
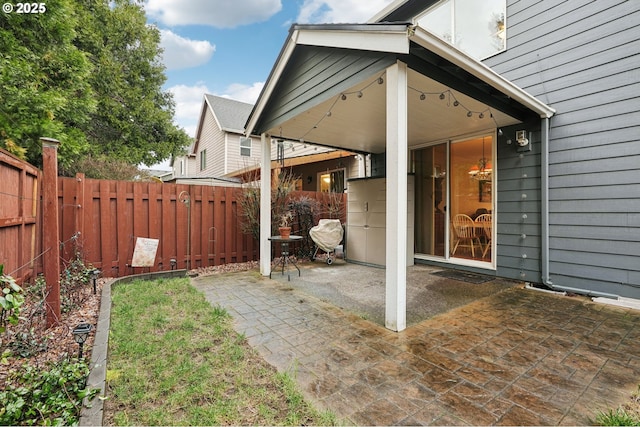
588	69
518	198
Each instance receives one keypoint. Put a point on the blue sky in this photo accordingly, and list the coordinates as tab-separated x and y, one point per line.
228	47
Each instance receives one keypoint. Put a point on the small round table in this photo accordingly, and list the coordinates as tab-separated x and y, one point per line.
285	258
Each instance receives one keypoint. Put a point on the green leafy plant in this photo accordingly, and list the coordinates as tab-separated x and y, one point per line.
46	396
626	415
73	280
27	343
10	301
617	417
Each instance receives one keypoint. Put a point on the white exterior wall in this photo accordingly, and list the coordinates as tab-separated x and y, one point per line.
235	161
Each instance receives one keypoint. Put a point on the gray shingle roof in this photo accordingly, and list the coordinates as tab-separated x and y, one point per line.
231	114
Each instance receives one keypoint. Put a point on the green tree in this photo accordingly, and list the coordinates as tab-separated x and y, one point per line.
86	72
133	121
44	87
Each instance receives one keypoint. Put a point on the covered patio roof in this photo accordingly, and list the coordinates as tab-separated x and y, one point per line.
375	88
324	88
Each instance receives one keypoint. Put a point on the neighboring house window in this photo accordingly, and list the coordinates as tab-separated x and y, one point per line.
203	159
475	27
245	146
332	181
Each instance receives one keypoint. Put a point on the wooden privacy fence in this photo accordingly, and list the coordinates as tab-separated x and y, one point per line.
100	220
196	226
19	213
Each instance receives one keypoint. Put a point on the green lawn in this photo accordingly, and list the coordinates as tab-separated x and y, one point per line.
176	360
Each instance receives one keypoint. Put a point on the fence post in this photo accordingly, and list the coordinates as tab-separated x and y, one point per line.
51	248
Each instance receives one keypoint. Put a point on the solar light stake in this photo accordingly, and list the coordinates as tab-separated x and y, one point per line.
80	335
94	274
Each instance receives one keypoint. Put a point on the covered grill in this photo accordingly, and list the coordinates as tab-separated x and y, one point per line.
327	235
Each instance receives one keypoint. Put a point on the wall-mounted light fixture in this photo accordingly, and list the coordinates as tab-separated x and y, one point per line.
522	139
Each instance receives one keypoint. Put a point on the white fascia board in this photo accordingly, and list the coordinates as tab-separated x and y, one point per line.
378	41
232	130
267	91
478	69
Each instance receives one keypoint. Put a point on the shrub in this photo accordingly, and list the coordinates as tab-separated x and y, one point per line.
10	300
46	396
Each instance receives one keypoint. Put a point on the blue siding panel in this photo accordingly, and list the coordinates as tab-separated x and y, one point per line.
588	69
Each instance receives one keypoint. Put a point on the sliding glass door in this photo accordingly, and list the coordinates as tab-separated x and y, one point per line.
454	199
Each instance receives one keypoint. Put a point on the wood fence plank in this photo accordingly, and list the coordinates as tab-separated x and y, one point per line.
217	225
229	241
168	235
124	235
181	226
154	225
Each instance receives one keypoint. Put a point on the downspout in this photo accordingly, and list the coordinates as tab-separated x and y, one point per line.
544	210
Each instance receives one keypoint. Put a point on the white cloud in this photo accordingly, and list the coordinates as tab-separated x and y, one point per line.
188	101
244	93
180	52
339	11
215	13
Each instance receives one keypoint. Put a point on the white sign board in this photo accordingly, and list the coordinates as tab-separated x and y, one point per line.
144	254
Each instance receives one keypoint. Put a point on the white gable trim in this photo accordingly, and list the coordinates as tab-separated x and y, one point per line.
268	88
394	42
376	41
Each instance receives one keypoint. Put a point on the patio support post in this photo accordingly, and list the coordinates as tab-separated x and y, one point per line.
396	221
265	205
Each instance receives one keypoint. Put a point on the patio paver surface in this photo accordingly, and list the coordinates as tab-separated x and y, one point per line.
515	357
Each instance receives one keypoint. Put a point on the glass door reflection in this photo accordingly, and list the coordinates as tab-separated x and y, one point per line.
430	167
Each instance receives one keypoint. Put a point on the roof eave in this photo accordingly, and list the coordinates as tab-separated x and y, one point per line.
380	38
445	50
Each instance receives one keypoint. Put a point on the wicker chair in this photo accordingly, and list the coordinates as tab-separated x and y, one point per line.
484	221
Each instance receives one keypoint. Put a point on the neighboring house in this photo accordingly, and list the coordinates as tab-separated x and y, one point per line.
221	152
532	119
219	145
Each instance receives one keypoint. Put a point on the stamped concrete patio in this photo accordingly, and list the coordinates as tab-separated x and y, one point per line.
491	353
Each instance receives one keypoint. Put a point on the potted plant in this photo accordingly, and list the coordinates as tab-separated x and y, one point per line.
285	224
